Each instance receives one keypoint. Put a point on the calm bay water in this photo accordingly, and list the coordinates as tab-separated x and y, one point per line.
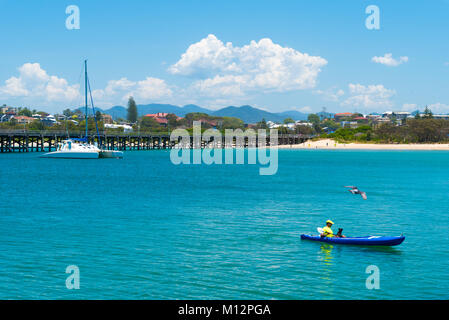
143	228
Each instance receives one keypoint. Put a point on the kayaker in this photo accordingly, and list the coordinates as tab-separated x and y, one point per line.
327	231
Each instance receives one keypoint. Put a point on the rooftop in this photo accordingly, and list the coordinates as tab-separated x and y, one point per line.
343	114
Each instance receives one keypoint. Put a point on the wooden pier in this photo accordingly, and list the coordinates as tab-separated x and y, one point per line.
47	141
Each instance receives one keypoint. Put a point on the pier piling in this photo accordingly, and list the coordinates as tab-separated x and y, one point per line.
42	141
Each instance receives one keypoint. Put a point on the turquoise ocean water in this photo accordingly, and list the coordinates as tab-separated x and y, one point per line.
143	228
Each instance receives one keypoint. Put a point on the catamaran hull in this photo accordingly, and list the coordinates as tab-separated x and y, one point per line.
71	155
111	154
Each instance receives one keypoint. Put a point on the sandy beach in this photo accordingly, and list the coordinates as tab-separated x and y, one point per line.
330	144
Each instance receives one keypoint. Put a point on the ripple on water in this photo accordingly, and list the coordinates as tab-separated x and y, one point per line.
143	228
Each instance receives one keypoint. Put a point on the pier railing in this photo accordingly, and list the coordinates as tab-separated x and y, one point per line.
17	140
76	134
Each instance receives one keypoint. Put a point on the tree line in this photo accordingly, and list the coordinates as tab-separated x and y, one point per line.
422	130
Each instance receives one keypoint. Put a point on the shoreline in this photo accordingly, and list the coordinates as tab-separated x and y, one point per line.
330	144
325	144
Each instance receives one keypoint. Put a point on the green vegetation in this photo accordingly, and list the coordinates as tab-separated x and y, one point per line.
330	124
208	121
98	116
423	130
427	113
132	110
68	113
148	123
232	123
262	124
25	112
362	133
315	120
61	126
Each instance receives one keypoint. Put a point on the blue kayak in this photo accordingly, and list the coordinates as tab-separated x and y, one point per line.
363	241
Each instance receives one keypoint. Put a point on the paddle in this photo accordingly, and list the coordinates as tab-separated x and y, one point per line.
320	230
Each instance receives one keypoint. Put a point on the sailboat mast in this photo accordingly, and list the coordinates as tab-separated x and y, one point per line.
85	92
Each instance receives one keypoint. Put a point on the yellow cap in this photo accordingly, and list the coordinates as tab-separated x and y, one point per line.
329	221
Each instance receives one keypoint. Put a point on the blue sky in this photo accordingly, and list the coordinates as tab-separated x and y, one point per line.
315	54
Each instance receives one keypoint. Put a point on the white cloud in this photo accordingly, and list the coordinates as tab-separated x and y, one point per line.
14	87
439	108
209	54
34	84
226	70
144	91
115	86
409	107
306	109
388	60
331	94
152	88
371	96
220	74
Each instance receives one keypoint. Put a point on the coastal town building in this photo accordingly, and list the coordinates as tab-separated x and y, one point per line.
23	119
157	115
363	120
160	117
61	117
379	121
290	125
328	130
349	124
373	117
271	124
125	127
441	116
49	120
7	109
342	115
107	118
303	123
162	121
398	117
6	117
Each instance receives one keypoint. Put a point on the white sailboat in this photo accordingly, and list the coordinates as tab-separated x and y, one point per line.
81	148
74	149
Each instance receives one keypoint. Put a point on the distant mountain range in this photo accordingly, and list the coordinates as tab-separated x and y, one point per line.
252	115
247	113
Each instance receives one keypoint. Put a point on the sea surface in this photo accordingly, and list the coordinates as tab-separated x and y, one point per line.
144	228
